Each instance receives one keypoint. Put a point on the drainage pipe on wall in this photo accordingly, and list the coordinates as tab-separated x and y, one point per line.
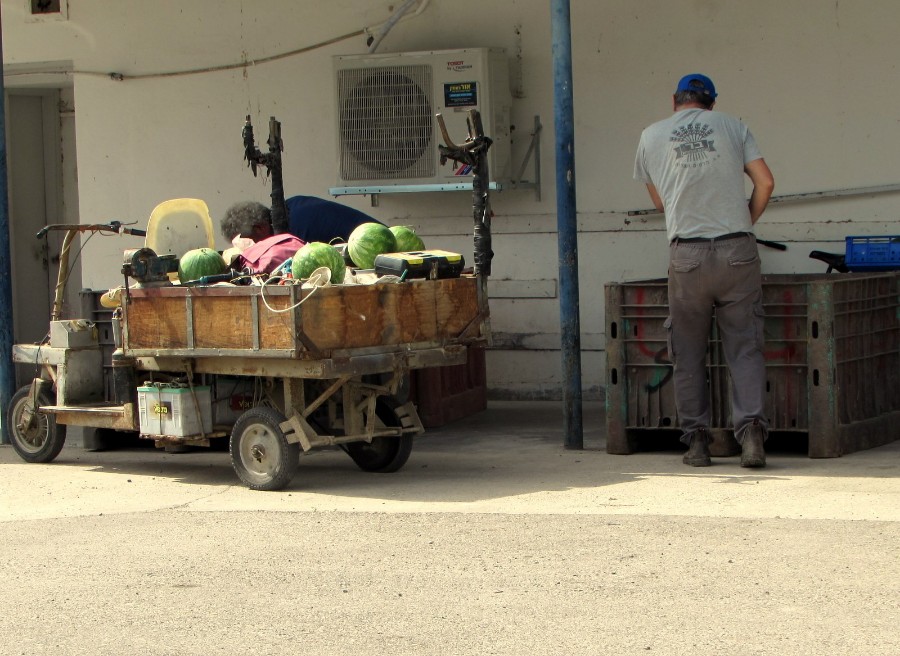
7	370
567	225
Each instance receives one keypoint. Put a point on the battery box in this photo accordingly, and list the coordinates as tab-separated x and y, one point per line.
168	410
431	264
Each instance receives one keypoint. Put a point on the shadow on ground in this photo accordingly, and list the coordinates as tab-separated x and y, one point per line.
509	449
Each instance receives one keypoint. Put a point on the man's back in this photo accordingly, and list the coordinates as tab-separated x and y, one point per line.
316	219
696	159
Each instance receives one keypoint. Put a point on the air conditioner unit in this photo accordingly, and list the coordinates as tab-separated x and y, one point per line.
387	132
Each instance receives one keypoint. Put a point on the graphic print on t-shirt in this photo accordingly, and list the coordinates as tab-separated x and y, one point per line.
693	144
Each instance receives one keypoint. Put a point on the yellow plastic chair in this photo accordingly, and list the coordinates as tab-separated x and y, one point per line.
179	225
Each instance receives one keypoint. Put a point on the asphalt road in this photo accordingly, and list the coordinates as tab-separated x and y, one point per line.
492	540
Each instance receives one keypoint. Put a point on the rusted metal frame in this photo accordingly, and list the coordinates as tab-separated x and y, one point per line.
355	408
302	343
298	430
294	395
254	323
287	354
484	321
38	354
409	419
308	349
121	417
232	363
189	320
352	420
324	396
305	344
162	442
369	394
189	370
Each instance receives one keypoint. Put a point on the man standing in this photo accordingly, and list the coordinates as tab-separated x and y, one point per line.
693	164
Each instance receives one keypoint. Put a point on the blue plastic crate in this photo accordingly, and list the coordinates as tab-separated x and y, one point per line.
873	253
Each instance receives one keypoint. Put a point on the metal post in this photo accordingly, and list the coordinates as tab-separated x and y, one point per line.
567	225
7	370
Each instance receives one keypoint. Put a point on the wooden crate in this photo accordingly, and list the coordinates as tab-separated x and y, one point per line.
287	321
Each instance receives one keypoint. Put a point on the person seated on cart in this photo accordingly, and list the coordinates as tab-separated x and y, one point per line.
309	219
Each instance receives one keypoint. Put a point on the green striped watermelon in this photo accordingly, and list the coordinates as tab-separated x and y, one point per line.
315	254
368	240
200	262
407	239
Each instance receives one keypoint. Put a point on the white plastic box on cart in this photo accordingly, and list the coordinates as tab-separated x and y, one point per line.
174	410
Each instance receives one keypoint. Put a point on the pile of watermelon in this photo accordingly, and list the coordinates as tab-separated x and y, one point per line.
366	242
369	240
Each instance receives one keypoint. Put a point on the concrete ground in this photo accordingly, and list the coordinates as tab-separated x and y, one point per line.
492	540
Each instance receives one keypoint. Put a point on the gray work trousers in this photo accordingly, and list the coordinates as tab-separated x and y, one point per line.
724	275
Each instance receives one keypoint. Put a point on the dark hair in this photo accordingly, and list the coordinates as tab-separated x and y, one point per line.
688	97
242	217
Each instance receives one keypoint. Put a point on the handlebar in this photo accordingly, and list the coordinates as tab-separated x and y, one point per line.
113	226
833	260
71	230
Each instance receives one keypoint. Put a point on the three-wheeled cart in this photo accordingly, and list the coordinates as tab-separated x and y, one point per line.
276	368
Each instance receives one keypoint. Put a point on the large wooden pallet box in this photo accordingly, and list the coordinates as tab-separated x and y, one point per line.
832	348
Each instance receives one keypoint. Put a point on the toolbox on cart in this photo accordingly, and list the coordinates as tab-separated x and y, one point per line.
432	264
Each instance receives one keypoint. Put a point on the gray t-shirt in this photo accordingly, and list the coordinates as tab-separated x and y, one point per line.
695	159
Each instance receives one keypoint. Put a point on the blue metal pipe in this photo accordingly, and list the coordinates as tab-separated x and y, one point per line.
567	225
7	369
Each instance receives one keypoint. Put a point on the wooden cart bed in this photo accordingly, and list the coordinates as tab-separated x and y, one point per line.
338	320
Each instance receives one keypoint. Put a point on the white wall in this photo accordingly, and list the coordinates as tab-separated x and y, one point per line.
815	81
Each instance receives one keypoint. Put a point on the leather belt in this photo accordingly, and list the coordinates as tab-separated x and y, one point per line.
705	240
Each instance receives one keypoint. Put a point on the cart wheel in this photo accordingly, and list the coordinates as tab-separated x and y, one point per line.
43	439
384	455
260	453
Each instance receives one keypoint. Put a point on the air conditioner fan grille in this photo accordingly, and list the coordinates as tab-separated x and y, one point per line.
386	123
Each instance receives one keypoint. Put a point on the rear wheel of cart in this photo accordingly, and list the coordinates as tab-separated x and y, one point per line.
384	455
260	453
41	439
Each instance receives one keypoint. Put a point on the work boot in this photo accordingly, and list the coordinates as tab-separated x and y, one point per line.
752	452
698	452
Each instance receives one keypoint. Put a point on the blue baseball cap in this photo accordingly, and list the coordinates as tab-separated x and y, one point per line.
698	83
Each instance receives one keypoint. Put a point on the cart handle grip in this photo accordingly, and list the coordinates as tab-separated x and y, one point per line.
112	226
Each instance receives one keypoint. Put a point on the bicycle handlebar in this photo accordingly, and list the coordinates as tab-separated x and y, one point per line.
112	226
834	261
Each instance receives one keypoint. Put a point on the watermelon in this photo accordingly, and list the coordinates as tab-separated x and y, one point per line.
368	240
407	239
316	254
200	262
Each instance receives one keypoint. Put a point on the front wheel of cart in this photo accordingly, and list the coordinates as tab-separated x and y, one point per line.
40	438
384	455
260	453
